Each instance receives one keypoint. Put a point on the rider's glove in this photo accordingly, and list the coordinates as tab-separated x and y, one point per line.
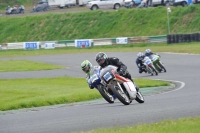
91	87
157	55
122	72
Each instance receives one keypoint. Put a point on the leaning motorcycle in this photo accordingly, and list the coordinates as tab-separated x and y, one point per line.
95	81
157	63
149	67
11	10
123	88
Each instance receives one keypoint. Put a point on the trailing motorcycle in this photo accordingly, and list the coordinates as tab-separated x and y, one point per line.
157	63
123	88
149	67
95	81
10	10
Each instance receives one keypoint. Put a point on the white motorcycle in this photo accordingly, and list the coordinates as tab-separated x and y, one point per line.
123	88
149	67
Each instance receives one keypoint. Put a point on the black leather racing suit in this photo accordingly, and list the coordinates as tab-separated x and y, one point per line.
121	67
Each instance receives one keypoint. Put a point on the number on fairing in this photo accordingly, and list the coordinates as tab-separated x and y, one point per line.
107	76
148	62
94	78
155	58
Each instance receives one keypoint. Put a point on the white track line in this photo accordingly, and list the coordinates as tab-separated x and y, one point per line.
179	53
182	85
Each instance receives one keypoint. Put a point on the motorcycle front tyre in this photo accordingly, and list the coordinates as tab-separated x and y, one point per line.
119	94
154	70
105	94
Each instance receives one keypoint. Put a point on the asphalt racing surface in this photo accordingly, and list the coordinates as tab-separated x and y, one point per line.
183	101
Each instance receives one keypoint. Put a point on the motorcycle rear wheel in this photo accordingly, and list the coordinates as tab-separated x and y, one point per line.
119	94
139	97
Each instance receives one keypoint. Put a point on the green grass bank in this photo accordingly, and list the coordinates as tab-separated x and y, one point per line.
99	24
182	125
25	65
27	93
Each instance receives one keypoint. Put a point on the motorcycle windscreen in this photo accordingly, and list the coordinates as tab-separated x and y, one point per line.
95	80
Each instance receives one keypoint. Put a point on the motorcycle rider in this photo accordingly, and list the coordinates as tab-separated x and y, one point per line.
103	61
8	7
86	66
139	62
149	53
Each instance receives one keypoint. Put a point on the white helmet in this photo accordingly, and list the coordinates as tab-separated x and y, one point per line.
140	54
148	51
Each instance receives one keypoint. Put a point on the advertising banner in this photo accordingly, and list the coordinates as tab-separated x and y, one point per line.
83	43
122	40
31	45
49	45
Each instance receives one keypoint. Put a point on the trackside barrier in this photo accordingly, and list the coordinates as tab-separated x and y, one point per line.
103	41
65	43
161	38
183	38
19	45
172	38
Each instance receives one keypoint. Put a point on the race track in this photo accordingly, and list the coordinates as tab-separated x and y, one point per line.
182	102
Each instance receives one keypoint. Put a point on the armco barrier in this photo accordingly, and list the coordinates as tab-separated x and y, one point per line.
64	43
161	38
177	38
142	39
103	41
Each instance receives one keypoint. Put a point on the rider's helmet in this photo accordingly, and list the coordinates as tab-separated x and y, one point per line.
101	59
148	51
140	56
86	66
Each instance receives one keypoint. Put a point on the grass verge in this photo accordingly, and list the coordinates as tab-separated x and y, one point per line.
27	93
183	125
25	65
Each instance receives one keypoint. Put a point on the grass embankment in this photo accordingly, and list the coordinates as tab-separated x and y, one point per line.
25	65
27	93
100	24
192	48
183	125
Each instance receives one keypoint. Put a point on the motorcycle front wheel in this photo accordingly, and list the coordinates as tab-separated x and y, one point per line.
161	65
153	70
104	93
120	94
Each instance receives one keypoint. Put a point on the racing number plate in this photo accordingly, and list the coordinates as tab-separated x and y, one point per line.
154	58
107	76
148	62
